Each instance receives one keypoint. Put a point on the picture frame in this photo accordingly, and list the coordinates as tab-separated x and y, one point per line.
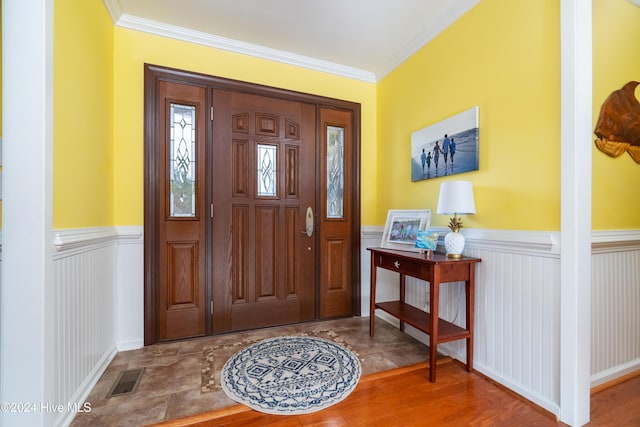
445	148
402	226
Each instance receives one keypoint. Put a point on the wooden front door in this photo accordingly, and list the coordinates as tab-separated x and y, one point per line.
264	177
336	213
251	206
182	244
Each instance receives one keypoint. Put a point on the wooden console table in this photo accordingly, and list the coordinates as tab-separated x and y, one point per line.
435	269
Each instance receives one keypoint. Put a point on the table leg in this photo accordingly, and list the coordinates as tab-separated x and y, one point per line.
372	301
402	295
434	296
469	291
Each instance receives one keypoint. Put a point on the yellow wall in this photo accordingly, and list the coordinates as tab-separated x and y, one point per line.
1	99
504	57
0	71
133	49
83	115
616	61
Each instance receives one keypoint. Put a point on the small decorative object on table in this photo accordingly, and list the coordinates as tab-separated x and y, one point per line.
402	228
456	197
427	241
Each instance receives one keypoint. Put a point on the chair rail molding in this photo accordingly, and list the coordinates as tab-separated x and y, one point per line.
65	240
527	242
615	241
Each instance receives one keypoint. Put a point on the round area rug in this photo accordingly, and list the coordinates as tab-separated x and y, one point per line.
291	375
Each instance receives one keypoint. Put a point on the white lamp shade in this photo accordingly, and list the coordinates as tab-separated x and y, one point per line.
456	197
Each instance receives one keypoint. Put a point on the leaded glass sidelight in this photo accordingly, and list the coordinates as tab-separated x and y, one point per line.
335	172
182	160
267	173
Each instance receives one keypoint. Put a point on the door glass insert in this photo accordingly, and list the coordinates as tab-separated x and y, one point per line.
335	172
182	160
267	170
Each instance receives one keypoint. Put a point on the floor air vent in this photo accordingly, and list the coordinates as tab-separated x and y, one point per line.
127	382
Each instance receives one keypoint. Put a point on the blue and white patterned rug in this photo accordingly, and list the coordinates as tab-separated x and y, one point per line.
291	375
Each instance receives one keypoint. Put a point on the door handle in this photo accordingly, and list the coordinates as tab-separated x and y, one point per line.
308	222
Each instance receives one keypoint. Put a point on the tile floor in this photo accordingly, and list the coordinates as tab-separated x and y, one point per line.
171	386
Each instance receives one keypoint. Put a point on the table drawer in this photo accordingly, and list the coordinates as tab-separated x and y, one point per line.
403	265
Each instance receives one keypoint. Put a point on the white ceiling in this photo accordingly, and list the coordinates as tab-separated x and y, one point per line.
357	38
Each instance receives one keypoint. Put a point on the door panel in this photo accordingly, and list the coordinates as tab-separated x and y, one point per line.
182	281
264	265
226	219
337	220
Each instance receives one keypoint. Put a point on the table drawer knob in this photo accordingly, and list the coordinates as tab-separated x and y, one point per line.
396	264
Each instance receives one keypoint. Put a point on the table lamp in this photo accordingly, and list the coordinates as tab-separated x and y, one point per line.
456	197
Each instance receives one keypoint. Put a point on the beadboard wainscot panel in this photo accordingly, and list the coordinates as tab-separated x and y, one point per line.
387	281
129	288
517	313
370	237
615	304
84	264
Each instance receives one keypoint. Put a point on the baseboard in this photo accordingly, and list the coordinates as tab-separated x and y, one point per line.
130	345
517	395
614	374
82	393
540	401
614	382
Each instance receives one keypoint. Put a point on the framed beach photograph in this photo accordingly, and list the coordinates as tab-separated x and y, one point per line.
446	148
402	227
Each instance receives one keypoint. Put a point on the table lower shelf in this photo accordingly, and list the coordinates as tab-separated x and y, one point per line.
421	320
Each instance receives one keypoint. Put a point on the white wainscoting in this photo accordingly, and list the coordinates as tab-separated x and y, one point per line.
98	278
129	288
99	306
84	343
615	305
517	307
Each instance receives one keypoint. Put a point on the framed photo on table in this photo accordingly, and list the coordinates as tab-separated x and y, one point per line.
402	226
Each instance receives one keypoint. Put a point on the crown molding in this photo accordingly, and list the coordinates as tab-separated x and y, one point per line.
205	39
114	9
457	10
124	20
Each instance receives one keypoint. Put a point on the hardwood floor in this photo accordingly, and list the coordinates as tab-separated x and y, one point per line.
393	391
405	397
618	405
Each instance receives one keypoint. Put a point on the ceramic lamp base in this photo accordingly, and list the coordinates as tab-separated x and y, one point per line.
454	244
